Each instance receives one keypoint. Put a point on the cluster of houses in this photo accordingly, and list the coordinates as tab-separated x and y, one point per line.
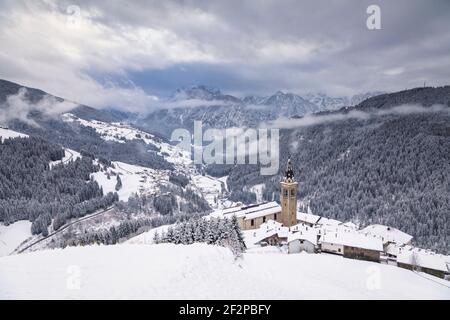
282	225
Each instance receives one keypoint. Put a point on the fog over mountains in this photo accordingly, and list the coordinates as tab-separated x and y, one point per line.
220	110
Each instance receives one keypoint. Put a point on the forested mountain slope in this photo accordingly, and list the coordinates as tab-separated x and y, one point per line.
31	190
37	113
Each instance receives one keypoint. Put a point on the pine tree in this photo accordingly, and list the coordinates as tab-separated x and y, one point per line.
238	232
156	238
119	183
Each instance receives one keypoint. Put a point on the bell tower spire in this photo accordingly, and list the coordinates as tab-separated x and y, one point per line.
288	197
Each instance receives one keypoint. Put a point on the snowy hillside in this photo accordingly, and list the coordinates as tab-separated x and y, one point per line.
13	235
204	272
6	133
138	179
135	179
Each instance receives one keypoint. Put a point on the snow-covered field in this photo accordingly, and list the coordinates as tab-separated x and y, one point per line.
200	271
135	179
13	235
212	190
258	189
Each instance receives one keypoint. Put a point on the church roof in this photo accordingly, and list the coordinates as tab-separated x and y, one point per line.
250	212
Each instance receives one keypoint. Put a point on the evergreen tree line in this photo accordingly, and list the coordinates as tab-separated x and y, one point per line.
30	190
222	232
124	230
179	179
170	200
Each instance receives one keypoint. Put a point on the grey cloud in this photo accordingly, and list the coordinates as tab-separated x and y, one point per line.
298	46
19	107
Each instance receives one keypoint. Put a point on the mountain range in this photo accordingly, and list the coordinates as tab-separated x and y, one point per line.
220	110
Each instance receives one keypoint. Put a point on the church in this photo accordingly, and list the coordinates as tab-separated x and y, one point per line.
251	217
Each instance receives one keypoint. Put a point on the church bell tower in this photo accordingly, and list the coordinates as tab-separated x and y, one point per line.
288	197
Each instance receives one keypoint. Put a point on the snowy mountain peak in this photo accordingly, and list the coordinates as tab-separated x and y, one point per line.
200	92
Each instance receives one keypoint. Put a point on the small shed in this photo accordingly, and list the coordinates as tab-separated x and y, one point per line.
302	241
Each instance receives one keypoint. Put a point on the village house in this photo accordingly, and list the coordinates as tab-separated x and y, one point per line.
269	233
302	239
424	261
352	245
308	219
388	234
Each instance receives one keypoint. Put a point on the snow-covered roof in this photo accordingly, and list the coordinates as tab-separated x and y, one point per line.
308	235
307	217
315	219
353	239
250	212
423	258
392	249
266	230
387	234
283	232
328	222
270	224
350	225
263	212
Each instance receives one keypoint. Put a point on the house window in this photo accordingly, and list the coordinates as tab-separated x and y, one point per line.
264	219
275	217
252	222
292	193
339	250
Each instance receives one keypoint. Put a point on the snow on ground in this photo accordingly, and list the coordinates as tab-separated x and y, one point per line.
69	155
6	133
13	235
135	179
199	271
224	181
121	132
210	187
147	237
258	190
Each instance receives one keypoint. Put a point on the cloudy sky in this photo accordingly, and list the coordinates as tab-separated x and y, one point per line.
126	53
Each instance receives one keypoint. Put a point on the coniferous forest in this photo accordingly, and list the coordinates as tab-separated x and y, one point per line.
31	190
